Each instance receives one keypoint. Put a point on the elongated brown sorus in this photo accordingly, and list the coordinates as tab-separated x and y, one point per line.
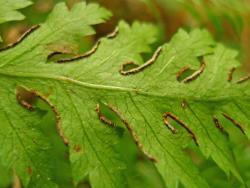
102	117
113	34
26	105
133	134
58	118
230	74
53	54
181	71
175	118
57	114
218	125
142	67
171	127
20	39
25	98
91	51
80	56
196	74
243	79
57	53
129	63
238	125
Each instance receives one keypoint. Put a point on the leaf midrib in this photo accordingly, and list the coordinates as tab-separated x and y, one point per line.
119	89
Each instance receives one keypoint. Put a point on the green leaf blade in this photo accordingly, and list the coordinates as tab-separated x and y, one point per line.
140	100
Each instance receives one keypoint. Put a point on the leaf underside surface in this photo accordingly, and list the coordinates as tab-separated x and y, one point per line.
161	112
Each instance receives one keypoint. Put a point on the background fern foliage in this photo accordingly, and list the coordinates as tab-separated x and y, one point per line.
88	99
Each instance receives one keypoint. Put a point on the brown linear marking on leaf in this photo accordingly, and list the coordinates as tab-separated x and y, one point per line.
113	34
65	49
218	125
77	57
243	79
173	129
55	53
29	31
196	74
91	51
128	65
58	119
133	134
142	67
28	105
230	74
102	117
25	98
181	71
238	125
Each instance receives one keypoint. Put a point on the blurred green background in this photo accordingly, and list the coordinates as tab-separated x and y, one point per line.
229	23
